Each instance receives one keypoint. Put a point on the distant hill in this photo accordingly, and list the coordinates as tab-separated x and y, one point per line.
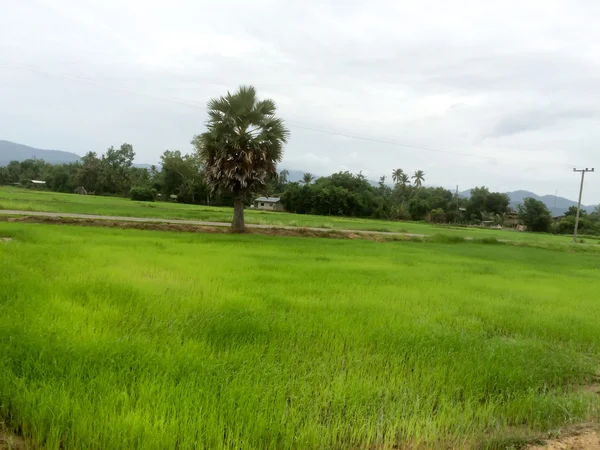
10	151
556	205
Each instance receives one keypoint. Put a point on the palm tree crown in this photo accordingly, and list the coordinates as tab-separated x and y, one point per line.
308	178
397	175
404	180
243	141
419	178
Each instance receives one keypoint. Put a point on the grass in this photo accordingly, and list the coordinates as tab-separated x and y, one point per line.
28	200
128	339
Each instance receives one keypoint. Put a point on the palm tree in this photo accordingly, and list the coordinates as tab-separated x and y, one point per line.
404	181
419	178
242	144
307	178
397	175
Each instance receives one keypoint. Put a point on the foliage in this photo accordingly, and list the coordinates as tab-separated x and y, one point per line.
241	146
308	178
143	194
182	175
419	178
437	215
397	175
572	212
243	142
535	215
36	200
418	208
587	225
483	202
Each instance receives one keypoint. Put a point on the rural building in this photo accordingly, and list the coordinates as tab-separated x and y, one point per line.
269	204
512	219
36	184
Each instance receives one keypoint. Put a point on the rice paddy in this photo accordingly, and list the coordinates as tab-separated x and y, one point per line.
128	339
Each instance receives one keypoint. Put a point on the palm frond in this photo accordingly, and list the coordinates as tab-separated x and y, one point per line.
243	141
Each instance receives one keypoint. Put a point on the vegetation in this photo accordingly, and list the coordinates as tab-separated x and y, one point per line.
241	146
122	339
588	223
143	194
535	215
186	179
31	200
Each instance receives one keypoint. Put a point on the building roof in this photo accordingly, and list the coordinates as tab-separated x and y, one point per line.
268	199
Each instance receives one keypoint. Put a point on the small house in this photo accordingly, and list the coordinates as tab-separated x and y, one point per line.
269	204
36	184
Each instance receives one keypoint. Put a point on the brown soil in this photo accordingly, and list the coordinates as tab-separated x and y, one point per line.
158	226
583	438
10	442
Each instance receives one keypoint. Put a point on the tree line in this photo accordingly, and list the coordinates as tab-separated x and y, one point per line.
180	177
236	158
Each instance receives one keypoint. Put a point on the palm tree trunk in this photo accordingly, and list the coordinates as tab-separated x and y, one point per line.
238	215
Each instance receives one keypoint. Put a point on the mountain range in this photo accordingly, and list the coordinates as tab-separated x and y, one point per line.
556	205
11	151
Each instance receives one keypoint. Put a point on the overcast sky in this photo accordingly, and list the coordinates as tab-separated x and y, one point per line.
510	90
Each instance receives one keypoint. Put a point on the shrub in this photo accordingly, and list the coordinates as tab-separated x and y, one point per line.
437	215
447	239
143	194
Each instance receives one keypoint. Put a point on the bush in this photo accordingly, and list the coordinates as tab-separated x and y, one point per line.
437	215
535	215
143	194
447	239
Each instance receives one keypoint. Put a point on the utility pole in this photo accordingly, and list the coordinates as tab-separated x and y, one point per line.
583	171
457	206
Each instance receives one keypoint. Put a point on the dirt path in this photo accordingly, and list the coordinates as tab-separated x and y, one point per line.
583	440
8	212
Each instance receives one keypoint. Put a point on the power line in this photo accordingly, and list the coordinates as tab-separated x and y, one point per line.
91	81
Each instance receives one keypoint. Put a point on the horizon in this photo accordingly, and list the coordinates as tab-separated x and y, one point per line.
372	181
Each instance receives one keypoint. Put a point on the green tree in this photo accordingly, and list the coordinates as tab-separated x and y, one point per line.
116	165
242	144
308	178
182	176
88	174
572	211
418	208
397	175
437	215
419	178
483	202
535	215
497	203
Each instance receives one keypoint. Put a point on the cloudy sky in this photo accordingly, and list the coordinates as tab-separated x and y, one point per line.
498	93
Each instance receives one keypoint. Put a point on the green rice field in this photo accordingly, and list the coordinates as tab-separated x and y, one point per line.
128	339
29	200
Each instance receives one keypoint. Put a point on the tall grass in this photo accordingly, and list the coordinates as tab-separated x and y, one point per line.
130	339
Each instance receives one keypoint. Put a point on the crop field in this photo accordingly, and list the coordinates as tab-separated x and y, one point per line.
127	339
28	200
